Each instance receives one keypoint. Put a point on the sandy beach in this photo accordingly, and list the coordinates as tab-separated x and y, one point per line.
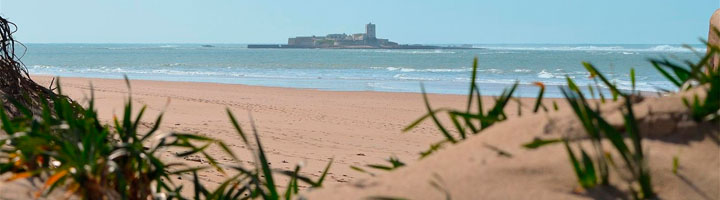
311	127
295	125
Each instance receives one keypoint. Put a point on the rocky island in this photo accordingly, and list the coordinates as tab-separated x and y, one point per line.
366	40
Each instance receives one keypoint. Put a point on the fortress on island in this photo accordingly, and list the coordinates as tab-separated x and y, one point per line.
367	40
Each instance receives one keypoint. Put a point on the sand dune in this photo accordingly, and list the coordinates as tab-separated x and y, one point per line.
471	171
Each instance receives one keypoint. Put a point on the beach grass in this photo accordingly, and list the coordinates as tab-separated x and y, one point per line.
67	148
466	122
688	75
700	74
598	129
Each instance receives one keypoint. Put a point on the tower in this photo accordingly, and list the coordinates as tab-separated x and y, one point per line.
370	30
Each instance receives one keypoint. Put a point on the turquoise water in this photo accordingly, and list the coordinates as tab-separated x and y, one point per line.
441	71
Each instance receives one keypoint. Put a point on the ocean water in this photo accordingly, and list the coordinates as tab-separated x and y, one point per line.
441	71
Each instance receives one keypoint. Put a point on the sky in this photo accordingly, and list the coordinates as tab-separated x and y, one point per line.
403	21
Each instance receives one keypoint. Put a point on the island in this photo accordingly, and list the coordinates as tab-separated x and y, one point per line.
366	40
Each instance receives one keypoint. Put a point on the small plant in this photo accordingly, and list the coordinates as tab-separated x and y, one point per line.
701	73
538	100
584	169
67	147
599	129
258	182
676	164
537	142
632	79
634	159
394	164
465	121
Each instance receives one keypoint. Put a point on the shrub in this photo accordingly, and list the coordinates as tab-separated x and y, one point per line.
67	147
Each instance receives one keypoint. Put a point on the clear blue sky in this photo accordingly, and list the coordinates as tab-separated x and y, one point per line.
404	21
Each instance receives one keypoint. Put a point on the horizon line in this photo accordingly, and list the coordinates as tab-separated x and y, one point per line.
241	43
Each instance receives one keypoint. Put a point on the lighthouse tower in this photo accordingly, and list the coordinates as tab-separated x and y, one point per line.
370	31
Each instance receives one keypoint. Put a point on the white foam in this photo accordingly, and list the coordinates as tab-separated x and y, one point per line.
407	69
658	48
545	74
448	70
491	70
402	69
405	77
414	51
668	48
173	64
42	66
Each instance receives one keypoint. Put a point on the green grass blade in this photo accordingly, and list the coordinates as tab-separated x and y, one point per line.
361	170
237	127
675	164
472	84
421	119
576	165
380	167
459	127
537	143
6	125
538	100
588	166
324	174
433	148
267	172
199	188
665	73
632	78
594	72
292	184
154	129
434	118
479	101
592	91
571	84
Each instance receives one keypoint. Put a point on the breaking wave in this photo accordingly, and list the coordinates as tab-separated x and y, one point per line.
406	77
625	50
437	51
407	69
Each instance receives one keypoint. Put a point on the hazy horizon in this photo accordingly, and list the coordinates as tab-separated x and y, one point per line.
407	22
697	42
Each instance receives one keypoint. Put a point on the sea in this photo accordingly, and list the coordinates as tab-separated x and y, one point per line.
445	71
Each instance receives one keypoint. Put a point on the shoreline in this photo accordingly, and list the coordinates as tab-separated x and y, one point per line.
50	76
552	91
